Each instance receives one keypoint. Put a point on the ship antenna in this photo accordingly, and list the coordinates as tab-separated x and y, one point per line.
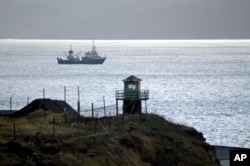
93	45
70	51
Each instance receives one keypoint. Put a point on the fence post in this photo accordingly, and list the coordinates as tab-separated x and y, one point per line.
116	107
92	109
104	107
54	123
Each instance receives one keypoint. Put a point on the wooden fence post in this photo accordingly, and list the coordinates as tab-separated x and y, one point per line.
146	107
116	107
54	123
104	107
92	109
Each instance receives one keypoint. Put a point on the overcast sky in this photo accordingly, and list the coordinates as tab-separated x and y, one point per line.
125	19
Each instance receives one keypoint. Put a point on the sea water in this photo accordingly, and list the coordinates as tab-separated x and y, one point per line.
204	84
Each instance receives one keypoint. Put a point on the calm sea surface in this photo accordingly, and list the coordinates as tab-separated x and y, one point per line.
202	84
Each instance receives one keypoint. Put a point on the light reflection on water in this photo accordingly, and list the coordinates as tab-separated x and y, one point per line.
203	84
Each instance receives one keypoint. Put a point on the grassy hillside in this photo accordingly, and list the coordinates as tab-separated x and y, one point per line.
129	140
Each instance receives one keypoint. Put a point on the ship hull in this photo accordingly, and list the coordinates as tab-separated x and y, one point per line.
84	60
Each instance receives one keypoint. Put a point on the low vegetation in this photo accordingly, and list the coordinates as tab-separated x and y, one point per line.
122	140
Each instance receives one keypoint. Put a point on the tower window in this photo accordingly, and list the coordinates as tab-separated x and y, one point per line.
131	87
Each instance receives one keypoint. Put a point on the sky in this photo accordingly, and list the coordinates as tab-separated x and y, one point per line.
124	19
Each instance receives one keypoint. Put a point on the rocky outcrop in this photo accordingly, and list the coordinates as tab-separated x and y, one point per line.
56	106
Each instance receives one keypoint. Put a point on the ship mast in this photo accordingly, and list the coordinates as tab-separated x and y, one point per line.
93	46
71	51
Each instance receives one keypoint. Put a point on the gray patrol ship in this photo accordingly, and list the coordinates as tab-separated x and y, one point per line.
91	57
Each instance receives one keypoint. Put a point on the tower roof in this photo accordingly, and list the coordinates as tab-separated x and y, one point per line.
132	78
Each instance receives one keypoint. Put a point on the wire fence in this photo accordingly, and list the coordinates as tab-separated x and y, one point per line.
101	111
107	111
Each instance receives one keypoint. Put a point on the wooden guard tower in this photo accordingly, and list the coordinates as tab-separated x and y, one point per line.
132	95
